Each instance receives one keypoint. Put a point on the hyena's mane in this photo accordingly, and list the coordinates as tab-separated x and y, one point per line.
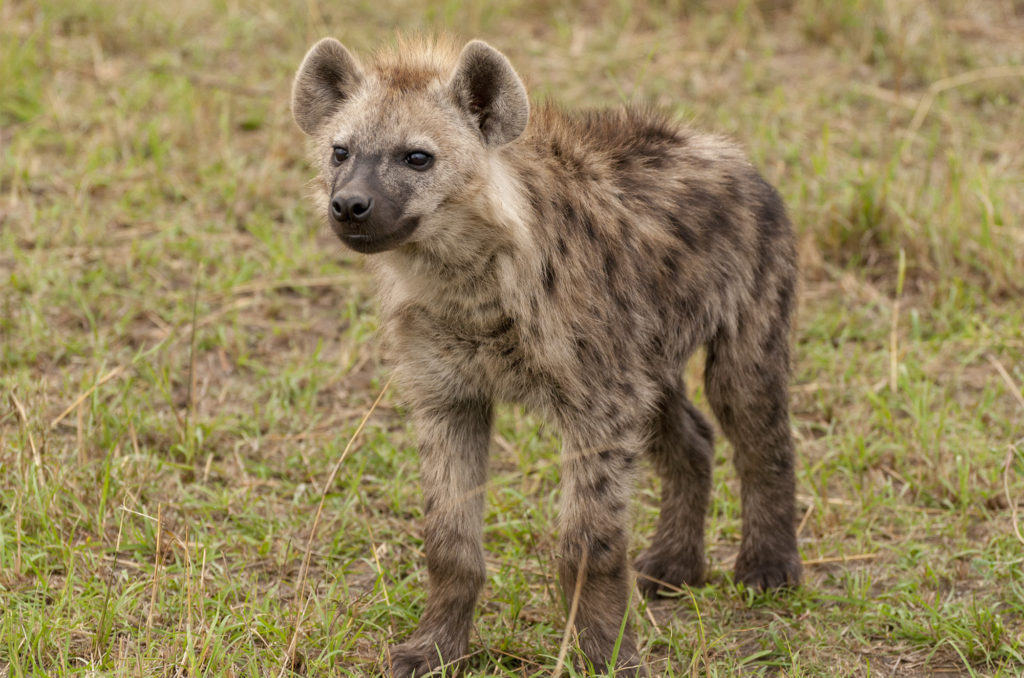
415	61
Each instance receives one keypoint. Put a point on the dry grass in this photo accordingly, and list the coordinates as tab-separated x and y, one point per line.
184	355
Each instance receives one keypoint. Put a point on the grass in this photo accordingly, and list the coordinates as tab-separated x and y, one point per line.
185	354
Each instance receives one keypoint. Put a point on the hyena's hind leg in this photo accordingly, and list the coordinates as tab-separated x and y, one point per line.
682	451
747	378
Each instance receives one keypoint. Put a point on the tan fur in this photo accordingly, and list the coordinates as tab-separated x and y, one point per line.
572	263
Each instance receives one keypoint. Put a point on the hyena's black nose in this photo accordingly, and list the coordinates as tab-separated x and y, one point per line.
351	208
338	210
359	208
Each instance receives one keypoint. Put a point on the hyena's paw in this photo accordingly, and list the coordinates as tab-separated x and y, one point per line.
769	570
675	571
415	659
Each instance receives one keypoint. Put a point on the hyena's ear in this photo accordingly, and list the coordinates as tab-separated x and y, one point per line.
328	75
486	86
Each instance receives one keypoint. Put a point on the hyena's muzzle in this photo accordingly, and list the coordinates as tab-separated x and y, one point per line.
364	214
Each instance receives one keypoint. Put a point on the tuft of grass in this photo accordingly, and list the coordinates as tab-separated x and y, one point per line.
185	354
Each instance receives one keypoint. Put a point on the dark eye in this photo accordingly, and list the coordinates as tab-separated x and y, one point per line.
419	160
339	155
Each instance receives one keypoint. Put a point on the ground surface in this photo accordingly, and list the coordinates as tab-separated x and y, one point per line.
184	354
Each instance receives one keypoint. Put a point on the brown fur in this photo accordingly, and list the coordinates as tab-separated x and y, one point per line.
572	264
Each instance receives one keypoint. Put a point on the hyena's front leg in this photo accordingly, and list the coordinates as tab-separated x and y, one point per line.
596	486
454	439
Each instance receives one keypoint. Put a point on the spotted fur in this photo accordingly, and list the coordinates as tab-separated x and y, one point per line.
571	262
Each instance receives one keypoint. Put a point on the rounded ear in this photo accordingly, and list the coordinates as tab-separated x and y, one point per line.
485	85
328	75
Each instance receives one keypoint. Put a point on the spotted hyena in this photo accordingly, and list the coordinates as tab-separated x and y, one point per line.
571	262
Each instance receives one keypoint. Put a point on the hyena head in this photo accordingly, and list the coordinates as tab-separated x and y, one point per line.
403	143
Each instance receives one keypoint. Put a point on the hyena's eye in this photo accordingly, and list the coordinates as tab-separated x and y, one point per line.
418	160
339	155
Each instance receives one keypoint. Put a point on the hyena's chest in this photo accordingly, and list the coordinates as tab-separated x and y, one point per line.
501	354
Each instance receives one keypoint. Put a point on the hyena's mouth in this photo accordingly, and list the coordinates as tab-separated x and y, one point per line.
369	238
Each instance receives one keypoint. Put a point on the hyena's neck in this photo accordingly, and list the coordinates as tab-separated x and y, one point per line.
483	261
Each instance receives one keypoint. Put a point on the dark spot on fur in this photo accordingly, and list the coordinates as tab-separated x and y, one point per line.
771	214
765	255
568	212
587	352
559	398
600	484
487	306
631	182
785	300
588	224
606	454
657	344
699	198
682	230
657	161
778	412
503	327
690	308
625	228
671	263
549	276
609	265
724	413
771	225
599	546
773	343
563	249
428	506
720	220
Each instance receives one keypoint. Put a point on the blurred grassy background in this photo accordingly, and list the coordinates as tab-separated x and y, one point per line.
184	354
